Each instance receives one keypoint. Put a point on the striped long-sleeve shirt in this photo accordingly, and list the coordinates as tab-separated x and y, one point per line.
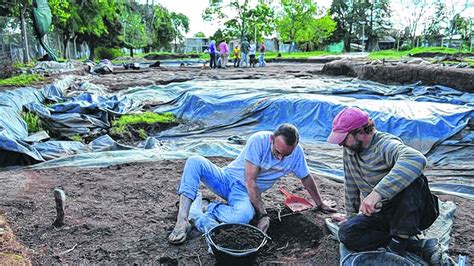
386	166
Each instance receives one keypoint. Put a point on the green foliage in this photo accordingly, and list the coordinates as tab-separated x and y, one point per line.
33	122
21	80
297	55
323	29
163	28
200	34
295	23
76	137
243	21
393	54
119	125
107	53
405	47
142	133
134	30
180	26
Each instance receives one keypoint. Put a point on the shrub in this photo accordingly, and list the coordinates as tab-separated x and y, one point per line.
32	121
107	53
405	47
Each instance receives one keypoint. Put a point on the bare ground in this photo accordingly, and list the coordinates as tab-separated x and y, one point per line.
124	213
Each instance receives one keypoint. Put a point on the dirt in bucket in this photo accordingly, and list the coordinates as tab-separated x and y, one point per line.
237	237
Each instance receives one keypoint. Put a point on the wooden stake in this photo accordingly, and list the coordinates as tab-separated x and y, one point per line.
60	199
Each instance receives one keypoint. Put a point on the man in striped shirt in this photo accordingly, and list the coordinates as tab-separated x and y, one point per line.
387	196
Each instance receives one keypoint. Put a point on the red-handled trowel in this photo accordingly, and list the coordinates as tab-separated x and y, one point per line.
295	203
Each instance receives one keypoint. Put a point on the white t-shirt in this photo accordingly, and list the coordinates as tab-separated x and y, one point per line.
258	152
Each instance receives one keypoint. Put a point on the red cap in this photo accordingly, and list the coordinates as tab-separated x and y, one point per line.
346	121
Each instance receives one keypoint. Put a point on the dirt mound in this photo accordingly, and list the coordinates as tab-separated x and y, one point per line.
137	132
438	54
401	73
170	56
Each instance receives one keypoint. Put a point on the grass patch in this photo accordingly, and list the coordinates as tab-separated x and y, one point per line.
119	125
33	122
21	80
76	137
142	134
23	65
394	54
297	55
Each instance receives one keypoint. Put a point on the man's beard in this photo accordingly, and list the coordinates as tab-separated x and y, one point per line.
357	147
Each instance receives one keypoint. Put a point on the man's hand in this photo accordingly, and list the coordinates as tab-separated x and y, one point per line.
340	218
264	223
367	207
326	206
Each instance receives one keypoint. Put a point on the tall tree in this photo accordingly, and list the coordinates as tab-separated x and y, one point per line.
240	20
163	29
180	26
296	21
133	30
435	25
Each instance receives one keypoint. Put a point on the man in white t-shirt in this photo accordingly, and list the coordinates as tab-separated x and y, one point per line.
264	160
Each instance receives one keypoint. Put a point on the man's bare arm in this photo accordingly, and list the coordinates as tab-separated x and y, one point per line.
251	173
310	185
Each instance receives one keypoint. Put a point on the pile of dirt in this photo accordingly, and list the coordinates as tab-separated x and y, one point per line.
8	71
237	237
137	132
439	54
401	73
124	213
170	56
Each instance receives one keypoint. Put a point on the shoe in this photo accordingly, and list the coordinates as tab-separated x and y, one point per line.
179	236
398	246
428	249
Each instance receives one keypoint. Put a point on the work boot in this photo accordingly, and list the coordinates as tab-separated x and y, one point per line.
398	246
428	249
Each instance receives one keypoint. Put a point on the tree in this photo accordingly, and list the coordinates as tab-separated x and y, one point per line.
343	12
134	33
180	25
296	21
254	22
163	29
199	34
323	29
434	26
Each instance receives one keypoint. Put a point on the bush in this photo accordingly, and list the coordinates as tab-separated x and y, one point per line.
107	53
405	47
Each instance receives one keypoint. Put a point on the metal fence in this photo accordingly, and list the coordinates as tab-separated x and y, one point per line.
11	42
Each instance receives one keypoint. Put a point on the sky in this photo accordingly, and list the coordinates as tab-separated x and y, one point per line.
193	9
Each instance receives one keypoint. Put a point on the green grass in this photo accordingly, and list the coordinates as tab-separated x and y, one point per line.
393	54
297	55
22	65
33	122
76	137
119	125
21	80
142	134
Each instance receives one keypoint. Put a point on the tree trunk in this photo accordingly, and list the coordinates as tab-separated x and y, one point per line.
131	52
91	51
65	46
26	52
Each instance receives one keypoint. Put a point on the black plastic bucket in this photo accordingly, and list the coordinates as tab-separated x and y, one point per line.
227	256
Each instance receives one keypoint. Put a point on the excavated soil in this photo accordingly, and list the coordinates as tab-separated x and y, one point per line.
124	213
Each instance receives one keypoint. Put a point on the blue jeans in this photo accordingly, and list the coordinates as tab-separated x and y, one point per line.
261	60
238	209
412	210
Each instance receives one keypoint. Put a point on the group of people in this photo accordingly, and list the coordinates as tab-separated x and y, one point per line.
244	54
387	198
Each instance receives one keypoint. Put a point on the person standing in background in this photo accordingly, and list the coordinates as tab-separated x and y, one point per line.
224	50
212	54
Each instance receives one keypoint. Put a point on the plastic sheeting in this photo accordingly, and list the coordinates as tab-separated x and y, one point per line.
434	120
